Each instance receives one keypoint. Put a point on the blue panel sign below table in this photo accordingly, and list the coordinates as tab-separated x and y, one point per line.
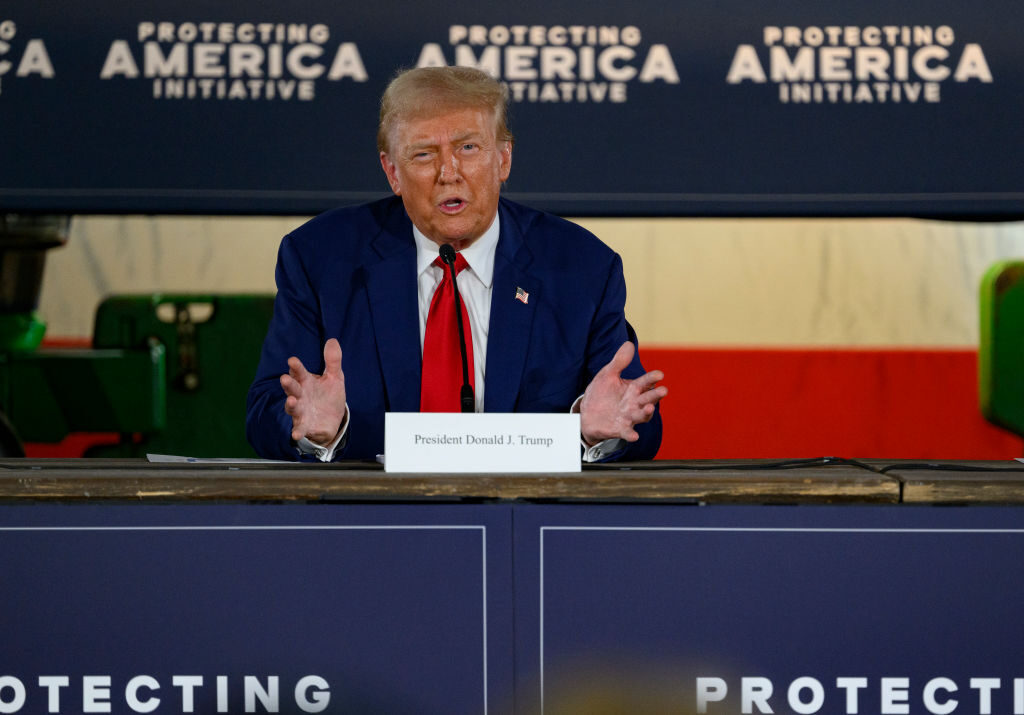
255	609
784	610
639	108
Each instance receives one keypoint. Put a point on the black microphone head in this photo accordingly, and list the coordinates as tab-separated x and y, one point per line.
447	253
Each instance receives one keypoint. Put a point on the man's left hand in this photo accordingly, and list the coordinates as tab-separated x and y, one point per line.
612	405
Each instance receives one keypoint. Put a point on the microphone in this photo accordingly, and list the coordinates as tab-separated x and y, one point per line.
466	398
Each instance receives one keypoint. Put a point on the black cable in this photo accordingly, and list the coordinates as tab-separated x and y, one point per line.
737	466
929	466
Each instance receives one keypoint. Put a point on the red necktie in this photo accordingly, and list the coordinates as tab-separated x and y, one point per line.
441	380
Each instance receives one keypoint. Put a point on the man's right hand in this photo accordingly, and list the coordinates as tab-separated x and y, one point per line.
316	403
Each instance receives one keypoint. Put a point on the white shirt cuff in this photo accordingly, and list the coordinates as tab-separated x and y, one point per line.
602	449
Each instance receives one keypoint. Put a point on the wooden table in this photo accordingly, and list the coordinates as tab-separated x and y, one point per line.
739	481
955	482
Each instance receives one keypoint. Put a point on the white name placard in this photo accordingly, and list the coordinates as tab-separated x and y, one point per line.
481	442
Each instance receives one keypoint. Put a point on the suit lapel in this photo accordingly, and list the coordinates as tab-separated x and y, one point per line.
509	333
391	289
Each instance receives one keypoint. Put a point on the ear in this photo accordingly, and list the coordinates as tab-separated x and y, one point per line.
391	171
505	148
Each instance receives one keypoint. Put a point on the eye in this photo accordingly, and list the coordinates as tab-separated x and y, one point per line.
469	147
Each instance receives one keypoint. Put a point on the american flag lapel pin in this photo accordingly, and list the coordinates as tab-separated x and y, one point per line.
522	296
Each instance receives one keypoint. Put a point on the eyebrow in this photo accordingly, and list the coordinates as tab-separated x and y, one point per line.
468	134
456	139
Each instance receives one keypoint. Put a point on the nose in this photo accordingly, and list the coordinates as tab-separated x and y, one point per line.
449	168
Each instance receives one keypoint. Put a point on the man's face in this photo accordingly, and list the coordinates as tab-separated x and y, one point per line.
448	169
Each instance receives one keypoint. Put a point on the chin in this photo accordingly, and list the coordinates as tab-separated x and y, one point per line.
459	243
458	240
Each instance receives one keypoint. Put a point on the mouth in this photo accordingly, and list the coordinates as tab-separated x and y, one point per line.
452	206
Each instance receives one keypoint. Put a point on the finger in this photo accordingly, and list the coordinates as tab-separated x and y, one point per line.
296	369
294	409
640	411
635	414
291	386
652	396
332	357
655	375
646	414
641	391
620	361
647	381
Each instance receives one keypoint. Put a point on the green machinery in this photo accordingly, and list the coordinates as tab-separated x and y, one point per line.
166	373
1001	351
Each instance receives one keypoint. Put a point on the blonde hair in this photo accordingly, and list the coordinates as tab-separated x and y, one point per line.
428	90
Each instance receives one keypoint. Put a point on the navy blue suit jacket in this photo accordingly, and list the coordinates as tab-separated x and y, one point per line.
351	274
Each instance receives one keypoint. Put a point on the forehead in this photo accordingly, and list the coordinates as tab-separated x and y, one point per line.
444	125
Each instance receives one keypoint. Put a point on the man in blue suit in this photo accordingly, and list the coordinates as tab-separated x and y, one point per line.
544	298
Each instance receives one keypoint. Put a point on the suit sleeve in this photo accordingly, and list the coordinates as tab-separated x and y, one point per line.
295	329
608	331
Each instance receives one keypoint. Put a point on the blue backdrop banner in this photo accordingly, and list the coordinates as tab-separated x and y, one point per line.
644	108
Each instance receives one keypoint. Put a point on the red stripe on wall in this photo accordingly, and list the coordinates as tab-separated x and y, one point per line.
775	403
74	445
781	403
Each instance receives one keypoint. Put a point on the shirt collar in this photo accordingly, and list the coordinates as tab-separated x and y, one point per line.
479	255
